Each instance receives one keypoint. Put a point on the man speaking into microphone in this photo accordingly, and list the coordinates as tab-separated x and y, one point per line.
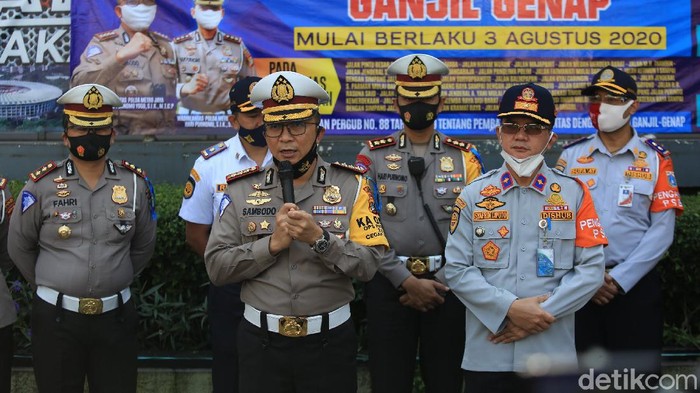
296	256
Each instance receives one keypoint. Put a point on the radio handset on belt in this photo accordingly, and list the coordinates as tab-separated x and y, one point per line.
416	167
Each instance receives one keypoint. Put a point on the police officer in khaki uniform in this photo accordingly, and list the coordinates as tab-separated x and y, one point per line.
209	61
86	226
296	260
8	315
419	172
134	61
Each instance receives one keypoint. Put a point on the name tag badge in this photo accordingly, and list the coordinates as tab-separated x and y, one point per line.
545	262
624	196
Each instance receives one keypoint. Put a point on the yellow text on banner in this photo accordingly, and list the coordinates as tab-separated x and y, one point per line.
622	38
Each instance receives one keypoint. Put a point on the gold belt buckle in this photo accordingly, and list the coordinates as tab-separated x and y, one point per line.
90	306
417	265
293	326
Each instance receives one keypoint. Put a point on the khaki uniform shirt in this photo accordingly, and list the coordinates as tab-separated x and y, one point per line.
297	281
224	60
151	76
8	314
448	168
83	242
492	260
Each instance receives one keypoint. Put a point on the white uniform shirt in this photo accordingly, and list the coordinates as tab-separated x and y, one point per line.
208	179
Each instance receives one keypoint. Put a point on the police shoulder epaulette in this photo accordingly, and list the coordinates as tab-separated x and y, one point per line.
353	168
213	150
107	35
42	171
242	173
456	143
659	149
484	175
183	38
3	183
577	141
161	35
133	168
379	143
232	38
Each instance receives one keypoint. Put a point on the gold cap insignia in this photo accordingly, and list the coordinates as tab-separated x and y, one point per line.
607	76
93	99
282	90
417	69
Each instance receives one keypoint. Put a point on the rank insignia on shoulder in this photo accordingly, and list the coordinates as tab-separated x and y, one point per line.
232	38
160	35
379	143
242	173
183	38
3	183
456	143
659	149
211	151
354	168
107	35
43	171
577	141
133	168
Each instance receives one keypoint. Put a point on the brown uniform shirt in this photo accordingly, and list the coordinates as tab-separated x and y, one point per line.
297	281
149	79
224	60
82	242
449	165
8	315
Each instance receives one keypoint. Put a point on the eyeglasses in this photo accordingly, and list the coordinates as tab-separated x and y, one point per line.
82	131
608	99
532	129
295	128
137	2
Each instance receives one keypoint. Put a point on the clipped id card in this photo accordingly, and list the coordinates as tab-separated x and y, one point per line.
624	196
545	262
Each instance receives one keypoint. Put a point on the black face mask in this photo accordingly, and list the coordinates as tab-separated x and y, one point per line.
304	164
255	136
89	147
418	115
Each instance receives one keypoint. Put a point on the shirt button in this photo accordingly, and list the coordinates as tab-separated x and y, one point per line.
294	267
522	248
92	266
296	296
95	217
523	221
94	242
522	276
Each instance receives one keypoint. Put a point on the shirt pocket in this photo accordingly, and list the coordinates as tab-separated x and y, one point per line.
255	227
63	228
122	224
335	225
168	68
561	238
641	200
395	200
491	244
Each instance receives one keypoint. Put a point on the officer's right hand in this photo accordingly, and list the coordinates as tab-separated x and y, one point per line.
197	84
138	44
527	314
422	294
280	238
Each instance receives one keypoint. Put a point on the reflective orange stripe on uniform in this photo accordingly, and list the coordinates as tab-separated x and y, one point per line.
589	232
666	195
365	227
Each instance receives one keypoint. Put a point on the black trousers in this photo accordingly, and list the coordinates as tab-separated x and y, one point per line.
6	348
317	363
67	347
395	333
630	327
225	311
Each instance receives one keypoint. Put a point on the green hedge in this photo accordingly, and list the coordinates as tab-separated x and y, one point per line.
171	292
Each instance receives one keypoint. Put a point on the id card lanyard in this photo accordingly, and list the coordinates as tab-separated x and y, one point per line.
545	254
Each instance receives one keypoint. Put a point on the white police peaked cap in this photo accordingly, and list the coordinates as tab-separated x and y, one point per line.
418	75
287	96
89	105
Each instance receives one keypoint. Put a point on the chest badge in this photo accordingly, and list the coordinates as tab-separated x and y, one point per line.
393	166
258	201
390	209
119	195
63	193
331	195
393	157
447	164
64	231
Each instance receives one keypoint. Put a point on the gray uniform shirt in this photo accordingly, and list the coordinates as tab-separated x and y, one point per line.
492	261
448	168
8	314
83	242
224	60
152	74
296	281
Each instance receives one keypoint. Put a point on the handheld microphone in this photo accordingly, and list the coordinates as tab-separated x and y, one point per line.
286	173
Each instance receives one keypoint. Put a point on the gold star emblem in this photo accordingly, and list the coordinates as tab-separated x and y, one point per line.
265	225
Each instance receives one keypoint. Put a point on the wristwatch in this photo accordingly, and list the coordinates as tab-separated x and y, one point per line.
321	245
